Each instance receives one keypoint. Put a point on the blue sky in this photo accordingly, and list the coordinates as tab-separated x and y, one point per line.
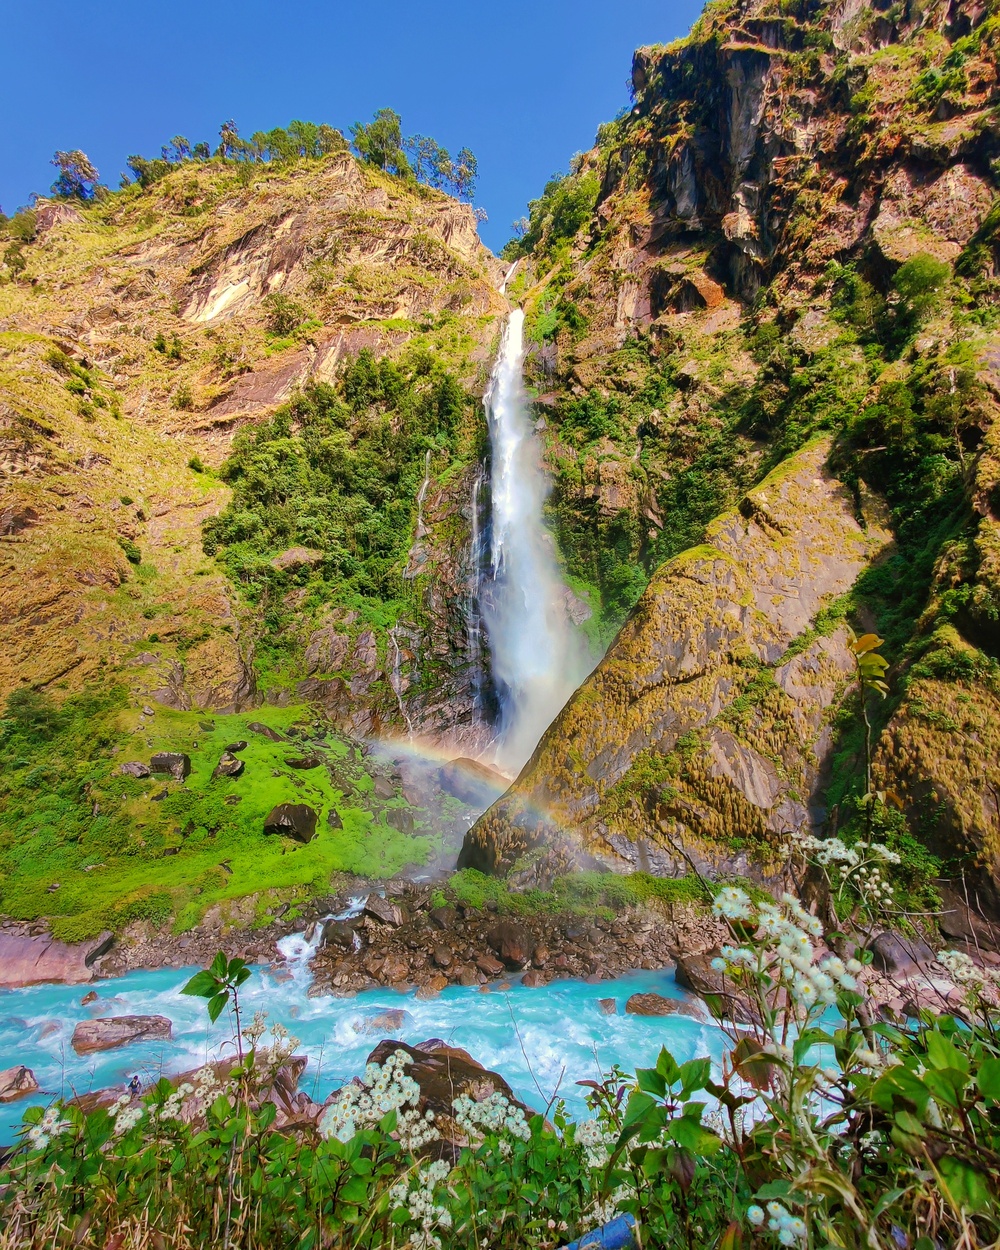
523	83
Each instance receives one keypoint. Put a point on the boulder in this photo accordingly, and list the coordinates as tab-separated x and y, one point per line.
443	1073
512	944
444	917
110	1033
383	910
400	818
341	933
134	768
304	762
695	973
899	956
657	1005
17	1082
383	787
31	960
176	763
432	986
489	966
609	1006
333	819
389	1021
237	746
265	731
228	766
442	957
297	820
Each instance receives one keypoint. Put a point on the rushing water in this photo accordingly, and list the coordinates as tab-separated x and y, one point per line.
559	1026
538	658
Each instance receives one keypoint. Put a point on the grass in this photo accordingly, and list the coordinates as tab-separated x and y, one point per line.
118	852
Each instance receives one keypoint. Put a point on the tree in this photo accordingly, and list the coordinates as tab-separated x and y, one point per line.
380	142
77	178
466	172
229	137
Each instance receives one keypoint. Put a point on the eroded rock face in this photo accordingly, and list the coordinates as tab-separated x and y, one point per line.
651	750
110	1033
30	960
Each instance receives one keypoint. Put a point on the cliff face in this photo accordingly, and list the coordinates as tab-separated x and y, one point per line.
145	333
790	236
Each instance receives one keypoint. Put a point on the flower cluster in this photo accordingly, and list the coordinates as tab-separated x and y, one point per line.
382	1089
49	1126
416	1196
495	1114
732	903
791	1229
174	1102
859	863
594	1139
125	1114
785	934
965	973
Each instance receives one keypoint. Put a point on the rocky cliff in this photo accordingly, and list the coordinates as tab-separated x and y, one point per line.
790	237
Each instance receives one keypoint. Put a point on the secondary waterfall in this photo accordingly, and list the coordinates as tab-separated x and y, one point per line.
538	658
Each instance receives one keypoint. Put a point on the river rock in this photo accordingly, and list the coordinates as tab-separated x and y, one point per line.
389	1021
609	1006
110	1033
444	917
265	731
444	1073
341	933
657	1005
489	966
297	820
383	910
134	768
512	943
228	766
899	956
17	1082
176	763
31	960
433	986
695	973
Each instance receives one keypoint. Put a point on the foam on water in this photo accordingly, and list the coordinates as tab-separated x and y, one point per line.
528	1035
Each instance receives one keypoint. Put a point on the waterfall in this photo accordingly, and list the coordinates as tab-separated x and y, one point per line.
473	610
538	659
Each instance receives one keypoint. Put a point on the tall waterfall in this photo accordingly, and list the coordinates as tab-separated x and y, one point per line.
537	657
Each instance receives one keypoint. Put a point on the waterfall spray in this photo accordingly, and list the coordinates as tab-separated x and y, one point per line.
538	659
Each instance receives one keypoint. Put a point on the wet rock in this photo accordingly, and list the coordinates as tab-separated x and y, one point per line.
899	956
442	957
432	986
228	766
341	933
88	998
297	820
489	966
608	1006
265	731
657	1005
695	973
304	762
383	910
27	959
512	943
333	819
444	917
237	746
390	1021
134	768
176	763
17	1082
383	788
468	977
400	818
533	979
109	1034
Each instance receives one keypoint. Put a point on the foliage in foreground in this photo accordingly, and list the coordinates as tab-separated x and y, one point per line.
818	1129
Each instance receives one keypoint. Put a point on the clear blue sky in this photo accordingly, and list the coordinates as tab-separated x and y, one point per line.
523	83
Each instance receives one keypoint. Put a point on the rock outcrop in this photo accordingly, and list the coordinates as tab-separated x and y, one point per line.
31	959
17	1082
707	719
114	1031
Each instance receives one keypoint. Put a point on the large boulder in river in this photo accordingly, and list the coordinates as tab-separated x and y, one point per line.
657	1005
724	999
17	1082
31	960
297	820
176	763
643	757
111	1032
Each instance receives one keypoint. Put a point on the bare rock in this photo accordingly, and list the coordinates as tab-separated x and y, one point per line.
17	1082
297	820
471	782
265	731
228	766
512	943
695	973
609	1006
657	1005
383	910
899	956
134	768
176	763
389	1021
489	966
30	960
110	1033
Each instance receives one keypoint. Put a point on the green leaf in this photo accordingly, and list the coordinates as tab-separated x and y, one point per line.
694	1074
202	985
216	1004
667	1067
686	1131
988	1079
967	1185
651	1082
220	966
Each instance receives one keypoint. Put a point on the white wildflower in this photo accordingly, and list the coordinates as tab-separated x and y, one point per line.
732	903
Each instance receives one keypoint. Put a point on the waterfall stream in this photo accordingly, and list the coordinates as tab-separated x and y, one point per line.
538	659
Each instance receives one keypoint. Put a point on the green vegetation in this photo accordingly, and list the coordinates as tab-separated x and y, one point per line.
566	204
581	892
95	849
